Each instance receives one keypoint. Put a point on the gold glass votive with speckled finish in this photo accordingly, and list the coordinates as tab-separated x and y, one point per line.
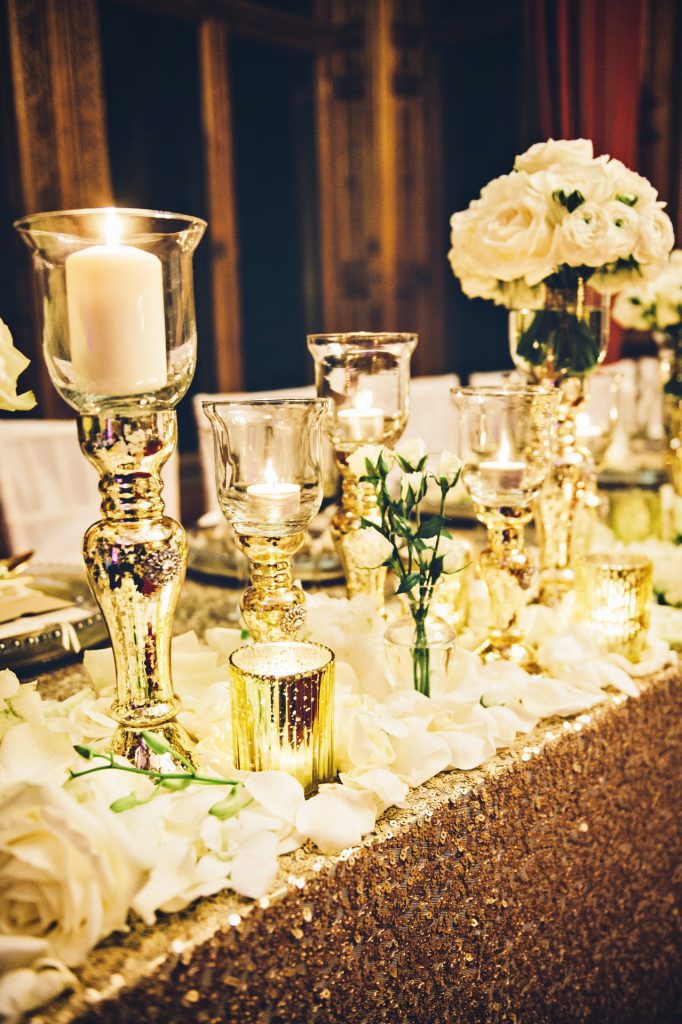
283	710
613	593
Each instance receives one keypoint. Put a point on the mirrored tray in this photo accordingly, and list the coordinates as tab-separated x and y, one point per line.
37	640
213	555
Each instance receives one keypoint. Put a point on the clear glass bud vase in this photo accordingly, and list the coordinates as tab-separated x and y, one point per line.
119	338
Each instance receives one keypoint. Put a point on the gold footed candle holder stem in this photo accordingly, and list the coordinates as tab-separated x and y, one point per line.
673	425
510	573
561	500
135	557
358	501
273	607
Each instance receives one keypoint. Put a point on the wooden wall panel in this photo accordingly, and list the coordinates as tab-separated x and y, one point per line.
59	106
379	167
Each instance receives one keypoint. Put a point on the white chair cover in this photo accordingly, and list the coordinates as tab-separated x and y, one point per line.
433	416
48	489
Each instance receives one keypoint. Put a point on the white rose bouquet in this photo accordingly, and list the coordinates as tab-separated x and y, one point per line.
561	218
418	550
12	363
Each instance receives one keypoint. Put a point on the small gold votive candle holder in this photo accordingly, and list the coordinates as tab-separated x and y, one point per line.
613	593
283	709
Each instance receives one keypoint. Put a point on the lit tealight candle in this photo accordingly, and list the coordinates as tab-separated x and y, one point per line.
114	296
361	422
275	499
502	474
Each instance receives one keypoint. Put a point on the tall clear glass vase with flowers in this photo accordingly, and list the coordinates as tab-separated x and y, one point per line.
416	547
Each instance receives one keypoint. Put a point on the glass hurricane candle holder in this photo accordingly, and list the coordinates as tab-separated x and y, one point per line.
283	710
613	592
366	376
119	337
505	443
269	482
595	427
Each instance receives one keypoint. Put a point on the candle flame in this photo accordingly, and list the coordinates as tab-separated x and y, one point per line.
112	227
504	452
363	400
270	474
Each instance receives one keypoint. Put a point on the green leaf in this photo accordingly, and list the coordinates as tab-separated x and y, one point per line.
407	582
156	743
436	567
87	752
367	523
629	200
571	200
404	464
431	527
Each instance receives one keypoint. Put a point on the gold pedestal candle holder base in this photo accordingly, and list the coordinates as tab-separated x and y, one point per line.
135	557
273	607
132	744
510	573
358	502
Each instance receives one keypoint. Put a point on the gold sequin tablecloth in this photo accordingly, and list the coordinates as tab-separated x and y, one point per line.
538	888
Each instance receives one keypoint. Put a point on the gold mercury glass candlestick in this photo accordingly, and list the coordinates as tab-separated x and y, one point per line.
505	446
119	338
366	375
269	483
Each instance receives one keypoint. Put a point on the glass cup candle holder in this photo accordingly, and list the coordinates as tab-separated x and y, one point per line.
283	710
269	483
366	377
595	427
613	592
505	443
119	338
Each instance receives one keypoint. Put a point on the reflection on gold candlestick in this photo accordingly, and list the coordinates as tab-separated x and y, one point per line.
283	710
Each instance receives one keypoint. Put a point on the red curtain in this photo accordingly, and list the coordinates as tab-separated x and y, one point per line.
589	65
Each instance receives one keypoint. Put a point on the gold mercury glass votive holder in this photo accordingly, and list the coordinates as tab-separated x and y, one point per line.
613	593
283	709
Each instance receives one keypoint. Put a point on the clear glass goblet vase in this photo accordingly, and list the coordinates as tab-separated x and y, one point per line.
268	463
119	338
505	438
366	377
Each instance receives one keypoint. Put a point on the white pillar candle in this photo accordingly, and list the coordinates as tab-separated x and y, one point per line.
115	308
274	501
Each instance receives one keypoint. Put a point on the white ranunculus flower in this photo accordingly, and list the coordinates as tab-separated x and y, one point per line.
12	363
585	237
625	223
366	452
554	151
590	180
369	548
69	871
635	190
506	234
656	239
630	305
456	554
412	451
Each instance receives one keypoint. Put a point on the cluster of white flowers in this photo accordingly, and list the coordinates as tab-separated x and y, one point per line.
559	207
653	305
12	363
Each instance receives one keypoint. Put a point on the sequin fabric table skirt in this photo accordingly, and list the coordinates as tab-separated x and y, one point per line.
539	888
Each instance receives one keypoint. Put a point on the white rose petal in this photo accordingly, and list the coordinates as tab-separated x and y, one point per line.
412	451
448	467
30	752
254	866
369	548
384	785
585	237
279	793
337	818
12	364
419	756
27	988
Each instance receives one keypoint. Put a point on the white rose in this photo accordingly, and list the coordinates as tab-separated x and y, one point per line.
369	548
456	554
656	239
448	468
585	237
625	224
414	482
506	234
554	151
69	872
412	451
366	452
12	363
